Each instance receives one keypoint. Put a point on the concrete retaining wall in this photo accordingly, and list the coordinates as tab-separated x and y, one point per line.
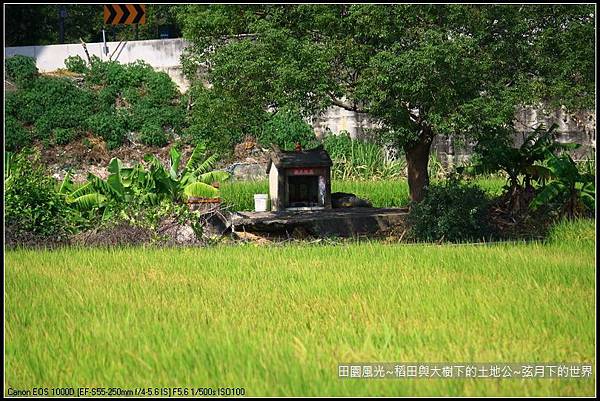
162	54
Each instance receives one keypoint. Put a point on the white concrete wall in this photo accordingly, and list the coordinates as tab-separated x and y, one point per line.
162	54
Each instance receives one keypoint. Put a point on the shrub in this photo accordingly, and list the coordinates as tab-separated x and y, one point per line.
109	126
21	69
149	100
33	206
16	136
159	89
153	135
51	103
63	136
286	128
453	211
75	64
105	98
57	108
570	191
107	73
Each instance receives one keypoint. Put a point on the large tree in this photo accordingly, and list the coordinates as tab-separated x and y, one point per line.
420	70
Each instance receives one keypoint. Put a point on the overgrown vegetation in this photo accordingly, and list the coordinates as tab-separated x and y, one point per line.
114	101
39	207
359	159
219	121
285	129
453	211
543	181
21	69
34	210
76	64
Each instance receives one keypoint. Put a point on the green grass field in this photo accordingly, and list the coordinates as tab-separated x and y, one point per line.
239	195
277	320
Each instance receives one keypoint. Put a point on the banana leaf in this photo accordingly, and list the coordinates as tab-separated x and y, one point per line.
195	157
85	189
104	187
175	159
88	201
206	165
214	176
200	190
66	186
114	179
550	192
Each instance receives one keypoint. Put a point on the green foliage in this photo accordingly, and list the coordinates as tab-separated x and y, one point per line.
76	64
49	104
115	99
286	128
153	135
522	164
453	211
21	69
109	126
219	120
358	159
571	191
15	136
148	101
419	70
106	73
32	205
200	190
62	136
128	189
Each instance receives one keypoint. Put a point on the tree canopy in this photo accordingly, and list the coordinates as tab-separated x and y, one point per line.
420	70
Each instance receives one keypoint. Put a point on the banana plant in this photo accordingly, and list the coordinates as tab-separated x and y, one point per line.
149	186
569	187
193	180
524	165
522	162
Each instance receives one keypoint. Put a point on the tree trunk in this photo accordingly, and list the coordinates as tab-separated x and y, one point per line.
417	160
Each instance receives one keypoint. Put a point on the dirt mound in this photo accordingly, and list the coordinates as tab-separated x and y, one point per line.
90	155
14	237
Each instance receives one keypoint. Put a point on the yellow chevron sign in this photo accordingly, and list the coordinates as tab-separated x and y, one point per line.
124	14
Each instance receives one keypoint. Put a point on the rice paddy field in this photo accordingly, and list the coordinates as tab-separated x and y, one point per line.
277	320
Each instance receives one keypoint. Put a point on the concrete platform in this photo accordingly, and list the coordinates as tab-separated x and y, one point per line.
343	222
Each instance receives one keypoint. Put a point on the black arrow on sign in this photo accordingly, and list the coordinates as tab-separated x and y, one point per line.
126	13
113	14
140	13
